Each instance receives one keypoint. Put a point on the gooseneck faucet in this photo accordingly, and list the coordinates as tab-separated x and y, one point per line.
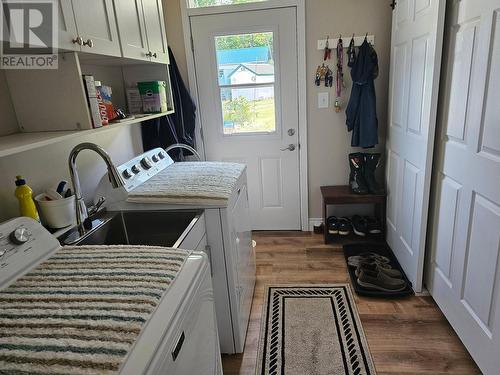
114	177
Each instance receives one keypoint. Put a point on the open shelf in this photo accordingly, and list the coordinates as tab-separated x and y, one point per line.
19	142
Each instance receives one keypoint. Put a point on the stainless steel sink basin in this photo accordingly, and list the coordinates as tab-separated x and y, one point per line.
152	228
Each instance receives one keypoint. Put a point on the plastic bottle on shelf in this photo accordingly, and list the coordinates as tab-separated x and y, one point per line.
25	196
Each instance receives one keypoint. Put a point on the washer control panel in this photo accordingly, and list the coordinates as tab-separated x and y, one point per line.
23	243
143	167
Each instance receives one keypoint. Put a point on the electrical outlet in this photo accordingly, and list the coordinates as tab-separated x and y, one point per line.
323	100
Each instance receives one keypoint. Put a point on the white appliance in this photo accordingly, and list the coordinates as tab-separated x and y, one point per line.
181	336
230	249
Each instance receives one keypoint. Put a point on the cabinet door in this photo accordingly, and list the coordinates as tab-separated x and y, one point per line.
131	29
67	27
95	21
155	30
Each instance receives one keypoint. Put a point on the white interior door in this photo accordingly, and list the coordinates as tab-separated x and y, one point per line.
417	33
465	263
246	71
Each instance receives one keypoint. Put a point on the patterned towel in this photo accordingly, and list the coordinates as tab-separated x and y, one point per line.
81	311
190	183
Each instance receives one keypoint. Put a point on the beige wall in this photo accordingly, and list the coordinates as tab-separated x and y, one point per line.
328	140
44	167
8	120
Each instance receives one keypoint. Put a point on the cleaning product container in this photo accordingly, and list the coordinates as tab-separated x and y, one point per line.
57	213
154	96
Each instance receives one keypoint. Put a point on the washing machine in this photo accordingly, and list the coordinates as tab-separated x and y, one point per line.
178	338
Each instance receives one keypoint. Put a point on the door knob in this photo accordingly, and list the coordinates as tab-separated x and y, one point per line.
291	132
291	147
89	43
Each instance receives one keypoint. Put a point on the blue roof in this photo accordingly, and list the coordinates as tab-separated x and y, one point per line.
241	55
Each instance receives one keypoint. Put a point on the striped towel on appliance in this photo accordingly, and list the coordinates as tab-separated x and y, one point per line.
80	311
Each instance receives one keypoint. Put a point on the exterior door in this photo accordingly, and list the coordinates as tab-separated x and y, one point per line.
246	69
417	32
465	263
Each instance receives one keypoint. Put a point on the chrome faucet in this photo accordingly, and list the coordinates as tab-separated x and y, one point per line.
114	177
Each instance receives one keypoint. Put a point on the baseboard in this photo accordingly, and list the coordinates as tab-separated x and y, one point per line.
314	221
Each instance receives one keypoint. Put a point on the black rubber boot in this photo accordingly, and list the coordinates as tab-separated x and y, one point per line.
372	162
356	179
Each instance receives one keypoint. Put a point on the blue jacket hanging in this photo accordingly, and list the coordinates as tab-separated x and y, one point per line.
361	111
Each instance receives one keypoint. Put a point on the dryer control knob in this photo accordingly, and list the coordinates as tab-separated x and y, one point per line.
20	236
127	174
155	158
136	168
146	163
161	155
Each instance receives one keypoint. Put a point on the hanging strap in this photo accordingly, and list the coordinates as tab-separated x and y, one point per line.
340	63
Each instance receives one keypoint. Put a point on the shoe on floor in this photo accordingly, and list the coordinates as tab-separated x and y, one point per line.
382	267
345	226
333	225
377	280
354	260
359	225
373	224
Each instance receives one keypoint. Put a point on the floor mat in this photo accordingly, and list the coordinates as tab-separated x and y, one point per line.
312	329
382	249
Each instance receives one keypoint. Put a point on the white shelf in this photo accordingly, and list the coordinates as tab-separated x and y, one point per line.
19	142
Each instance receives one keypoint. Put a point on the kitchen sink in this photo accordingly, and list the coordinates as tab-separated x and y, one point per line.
152	228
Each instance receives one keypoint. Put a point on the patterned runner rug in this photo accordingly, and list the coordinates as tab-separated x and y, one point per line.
312	329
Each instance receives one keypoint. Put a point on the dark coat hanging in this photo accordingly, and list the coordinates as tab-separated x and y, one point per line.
361	111
177	127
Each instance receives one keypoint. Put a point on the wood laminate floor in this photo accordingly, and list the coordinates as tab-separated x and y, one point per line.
405	336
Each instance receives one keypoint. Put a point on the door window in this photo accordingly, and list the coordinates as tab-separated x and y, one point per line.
246	80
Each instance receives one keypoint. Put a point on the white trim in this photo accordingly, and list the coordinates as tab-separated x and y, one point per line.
301	80
314	221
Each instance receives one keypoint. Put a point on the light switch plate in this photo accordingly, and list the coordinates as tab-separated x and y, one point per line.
323	100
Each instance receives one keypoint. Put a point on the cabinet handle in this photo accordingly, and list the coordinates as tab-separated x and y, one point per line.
149	54
78	40
89	43
155	55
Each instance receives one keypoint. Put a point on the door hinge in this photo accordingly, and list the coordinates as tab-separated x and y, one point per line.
192	43
393	4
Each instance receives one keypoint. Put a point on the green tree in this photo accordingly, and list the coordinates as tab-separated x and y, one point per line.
244	41
238	111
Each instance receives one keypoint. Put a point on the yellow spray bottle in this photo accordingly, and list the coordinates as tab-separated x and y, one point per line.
25	196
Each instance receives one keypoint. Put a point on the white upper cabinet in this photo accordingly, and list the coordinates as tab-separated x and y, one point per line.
96	25
132	30
155	30
68	35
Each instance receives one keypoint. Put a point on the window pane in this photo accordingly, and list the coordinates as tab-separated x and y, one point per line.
212	3
245	58
248	110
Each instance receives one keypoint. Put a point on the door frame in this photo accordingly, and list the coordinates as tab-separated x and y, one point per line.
186	13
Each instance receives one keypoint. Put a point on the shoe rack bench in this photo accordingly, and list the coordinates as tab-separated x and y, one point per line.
342	195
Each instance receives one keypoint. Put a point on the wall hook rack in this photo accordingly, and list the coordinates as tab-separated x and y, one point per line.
358	40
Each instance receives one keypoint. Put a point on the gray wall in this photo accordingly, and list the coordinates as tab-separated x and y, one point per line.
328	139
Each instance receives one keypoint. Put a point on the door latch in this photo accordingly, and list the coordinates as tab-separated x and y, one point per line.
291	147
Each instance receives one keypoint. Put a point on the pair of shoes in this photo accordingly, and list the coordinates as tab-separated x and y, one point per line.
341	226
374	277
363	225
355	260
362	176
374	272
